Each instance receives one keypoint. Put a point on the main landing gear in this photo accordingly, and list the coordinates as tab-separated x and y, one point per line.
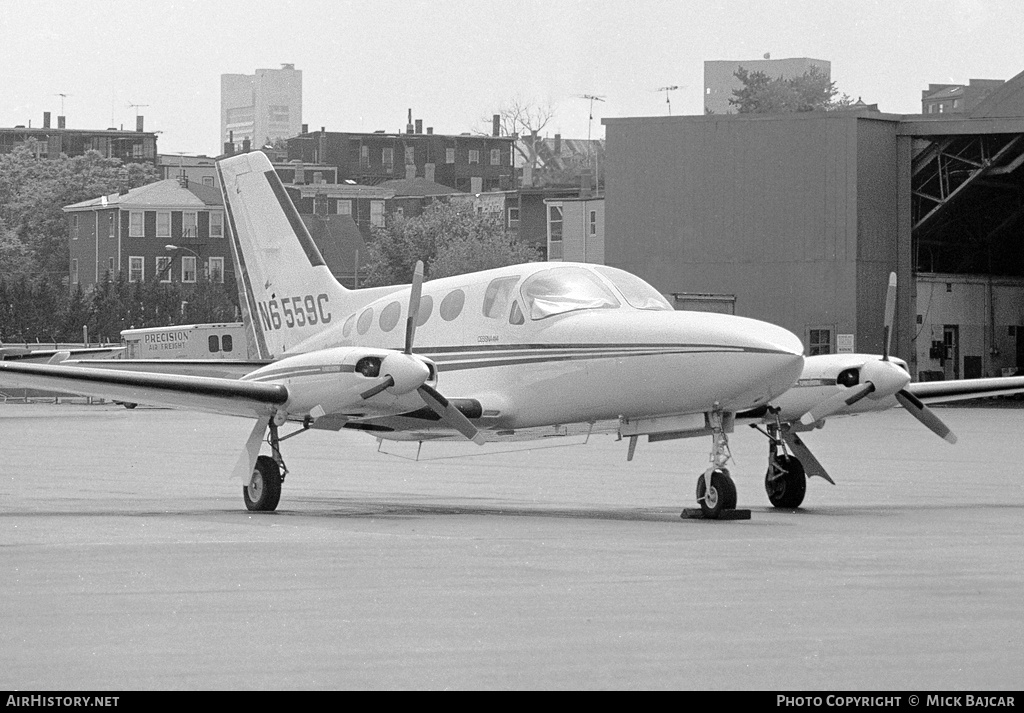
785	481
263	492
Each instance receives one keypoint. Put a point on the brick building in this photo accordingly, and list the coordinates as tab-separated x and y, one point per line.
130	146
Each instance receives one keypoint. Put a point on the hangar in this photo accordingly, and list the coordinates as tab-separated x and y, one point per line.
799	218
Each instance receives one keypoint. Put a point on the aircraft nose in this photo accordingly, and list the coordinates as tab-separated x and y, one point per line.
779	355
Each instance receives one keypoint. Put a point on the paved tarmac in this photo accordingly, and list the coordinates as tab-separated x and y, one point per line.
128	561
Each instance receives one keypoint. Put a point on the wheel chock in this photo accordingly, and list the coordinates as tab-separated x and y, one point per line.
698	514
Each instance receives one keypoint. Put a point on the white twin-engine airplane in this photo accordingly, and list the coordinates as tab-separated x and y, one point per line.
527	351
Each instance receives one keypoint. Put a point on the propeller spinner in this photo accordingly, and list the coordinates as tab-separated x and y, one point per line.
404	372
881	378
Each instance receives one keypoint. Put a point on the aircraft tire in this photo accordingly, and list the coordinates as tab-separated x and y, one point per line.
263	492
723	494
787	491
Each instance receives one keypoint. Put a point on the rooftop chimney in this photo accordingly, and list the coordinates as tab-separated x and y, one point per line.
61	122
246	145
139	122
430	130
419	126
496	125
46	120
305	129
183	180
408	124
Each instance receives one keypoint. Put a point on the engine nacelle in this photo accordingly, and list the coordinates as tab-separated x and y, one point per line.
331	381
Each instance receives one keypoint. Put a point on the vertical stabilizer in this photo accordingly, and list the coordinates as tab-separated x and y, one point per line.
287	288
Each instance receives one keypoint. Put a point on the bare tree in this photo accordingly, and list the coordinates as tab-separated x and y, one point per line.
526	119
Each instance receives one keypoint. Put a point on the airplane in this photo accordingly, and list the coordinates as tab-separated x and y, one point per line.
834	385
514	353
522	352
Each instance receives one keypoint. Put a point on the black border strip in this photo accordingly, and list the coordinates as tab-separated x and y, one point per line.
298	227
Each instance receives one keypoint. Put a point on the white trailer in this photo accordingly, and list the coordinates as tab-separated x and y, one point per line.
189	341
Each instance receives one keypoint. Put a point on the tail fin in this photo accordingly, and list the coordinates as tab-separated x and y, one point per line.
283	280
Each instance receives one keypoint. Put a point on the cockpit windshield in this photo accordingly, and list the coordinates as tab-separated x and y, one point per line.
565	289
637	292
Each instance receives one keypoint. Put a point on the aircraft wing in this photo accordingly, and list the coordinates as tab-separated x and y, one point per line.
220	368
197	393
931	392
44	355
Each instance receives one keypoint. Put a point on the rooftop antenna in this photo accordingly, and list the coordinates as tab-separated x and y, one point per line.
668	101
62	96
593	98
136	107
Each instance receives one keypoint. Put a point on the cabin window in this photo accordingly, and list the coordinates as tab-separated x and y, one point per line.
451	305
516	315
389	316
365	320
564	289
426	307
497	296
637	292
347	329
214	343
227	344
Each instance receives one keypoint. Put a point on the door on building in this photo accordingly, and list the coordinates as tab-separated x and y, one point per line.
1019	335
951	343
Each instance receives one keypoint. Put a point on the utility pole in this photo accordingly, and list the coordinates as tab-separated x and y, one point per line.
668	101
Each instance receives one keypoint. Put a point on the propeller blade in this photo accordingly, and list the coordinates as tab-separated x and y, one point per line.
414	306
925	415
450	415
832	404
374	390
890	314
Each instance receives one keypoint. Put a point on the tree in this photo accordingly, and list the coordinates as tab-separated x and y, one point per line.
760	94
449	239
525	119
33	192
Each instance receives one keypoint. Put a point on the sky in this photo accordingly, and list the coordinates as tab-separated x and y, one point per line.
365	63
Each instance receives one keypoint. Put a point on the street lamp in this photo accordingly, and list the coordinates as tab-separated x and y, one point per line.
177	248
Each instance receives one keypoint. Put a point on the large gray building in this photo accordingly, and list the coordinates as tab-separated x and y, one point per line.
799	218
260	107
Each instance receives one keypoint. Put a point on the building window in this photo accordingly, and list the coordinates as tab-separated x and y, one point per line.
216	269
495	157
216	224
207	180
819	342
364	157
344	207
74	271
188	268
163	268
399	212
593	222
555	232
136	150
136	224
476	184
377	214
189	223
110	265
956	103
163	224
74	227
110	225
449	155
410	155
941	108
474	156
136	268
513	217
387	159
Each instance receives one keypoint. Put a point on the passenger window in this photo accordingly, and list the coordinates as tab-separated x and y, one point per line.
389	316
426	306
365	320
451	305
214	343
516	317
497	295
347	329
227	343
